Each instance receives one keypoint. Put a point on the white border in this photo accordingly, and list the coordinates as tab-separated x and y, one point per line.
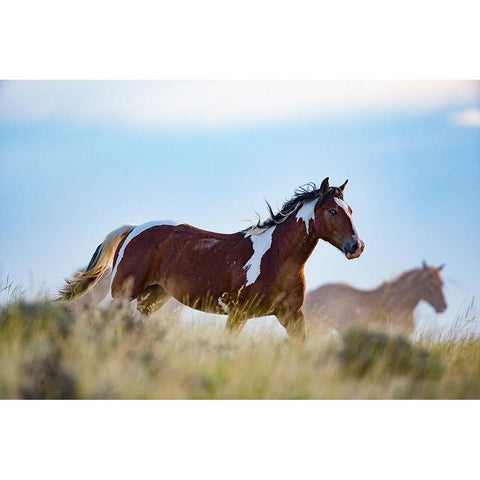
238	439
253	39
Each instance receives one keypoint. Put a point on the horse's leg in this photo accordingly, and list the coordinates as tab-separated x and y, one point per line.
294	323
151	299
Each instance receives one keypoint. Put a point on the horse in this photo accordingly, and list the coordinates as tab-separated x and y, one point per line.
254	272
390	305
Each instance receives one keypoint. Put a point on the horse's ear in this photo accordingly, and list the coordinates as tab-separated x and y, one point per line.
342	187
441	267
324	186
424	265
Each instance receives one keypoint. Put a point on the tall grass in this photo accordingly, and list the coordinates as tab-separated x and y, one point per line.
49	351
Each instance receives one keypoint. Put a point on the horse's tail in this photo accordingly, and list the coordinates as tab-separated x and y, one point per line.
82	281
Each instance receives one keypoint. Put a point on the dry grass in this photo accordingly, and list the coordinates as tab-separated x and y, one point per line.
46	351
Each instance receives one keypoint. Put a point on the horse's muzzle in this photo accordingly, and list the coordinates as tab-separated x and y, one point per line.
441	309
354	249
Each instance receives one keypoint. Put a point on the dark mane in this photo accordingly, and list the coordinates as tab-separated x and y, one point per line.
301	196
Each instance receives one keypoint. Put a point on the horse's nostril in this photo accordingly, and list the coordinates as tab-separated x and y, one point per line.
354	247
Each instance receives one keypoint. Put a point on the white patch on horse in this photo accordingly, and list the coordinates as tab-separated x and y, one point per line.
137	231
344	206
307	213
205	243
223	305
261	244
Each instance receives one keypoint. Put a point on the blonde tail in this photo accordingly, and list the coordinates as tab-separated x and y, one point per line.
82	281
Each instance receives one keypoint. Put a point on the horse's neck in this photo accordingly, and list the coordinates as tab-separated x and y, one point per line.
293	243
400	295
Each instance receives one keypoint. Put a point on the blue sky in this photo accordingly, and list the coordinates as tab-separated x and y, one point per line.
77	159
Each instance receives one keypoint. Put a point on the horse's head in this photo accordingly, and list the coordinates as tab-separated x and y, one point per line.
334	223
431	285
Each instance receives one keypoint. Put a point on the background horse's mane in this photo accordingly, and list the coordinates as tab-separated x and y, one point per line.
407	277
301	196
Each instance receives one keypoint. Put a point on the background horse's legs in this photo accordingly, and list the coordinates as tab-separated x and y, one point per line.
151	299
294	323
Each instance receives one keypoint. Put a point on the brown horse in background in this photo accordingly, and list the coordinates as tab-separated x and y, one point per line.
251	273
390	305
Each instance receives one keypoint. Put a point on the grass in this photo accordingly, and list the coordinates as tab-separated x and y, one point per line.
48	351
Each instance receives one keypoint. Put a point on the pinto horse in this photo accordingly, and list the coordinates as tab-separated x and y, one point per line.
390	305
255	272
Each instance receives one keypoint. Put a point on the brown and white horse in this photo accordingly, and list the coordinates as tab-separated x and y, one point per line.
390	305
251	273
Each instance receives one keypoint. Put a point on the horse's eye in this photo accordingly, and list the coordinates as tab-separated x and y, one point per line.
332	211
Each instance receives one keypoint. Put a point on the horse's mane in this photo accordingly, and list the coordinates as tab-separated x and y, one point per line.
406	278
301	196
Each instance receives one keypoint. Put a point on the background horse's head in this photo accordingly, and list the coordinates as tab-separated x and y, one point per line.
334	223
430	285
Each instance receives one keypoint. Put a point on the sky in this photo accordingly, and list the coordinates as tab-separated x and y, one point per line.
80	158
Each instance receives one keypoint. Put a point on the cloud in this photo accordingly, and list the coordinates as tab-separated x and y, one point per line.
469	117
218	103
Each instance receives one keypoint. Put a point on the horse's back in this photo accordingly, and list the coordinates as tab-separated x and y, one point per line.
175	256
